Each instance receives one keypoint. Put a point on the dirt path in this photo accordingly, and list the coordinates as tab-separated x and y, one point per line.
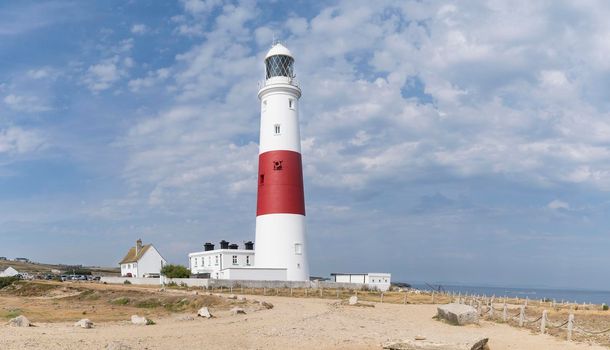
292	324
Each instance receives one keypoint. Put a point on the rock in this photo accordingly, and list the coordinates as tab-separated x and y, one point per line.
458	314
116	345
204	312
185	318
426	345
353	300
141	321
19	321
237	311
266	305
420	337
241	298
232	296
84	323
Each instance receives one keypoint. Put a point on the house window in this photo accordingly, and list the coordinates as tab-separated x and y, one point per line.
298	249
195	263
209	261
234	259
135	265
128	266
290	103
216	260
248	260
277	129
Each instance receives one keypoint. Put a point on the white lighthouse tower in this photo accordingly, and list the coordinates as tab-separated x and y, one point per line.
280	213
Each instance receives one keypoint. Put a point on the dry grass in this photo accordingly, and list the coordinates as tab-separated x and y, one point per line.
44	301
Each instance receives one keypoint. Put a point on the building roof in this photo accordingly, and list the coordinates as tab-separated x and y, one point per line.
131	256
278	49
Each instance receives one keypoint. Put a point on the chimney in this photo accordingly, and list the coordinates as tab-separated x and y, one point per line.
138	246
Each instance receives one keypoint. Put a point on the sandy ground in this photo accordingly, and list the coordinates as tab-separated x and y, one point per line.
293	323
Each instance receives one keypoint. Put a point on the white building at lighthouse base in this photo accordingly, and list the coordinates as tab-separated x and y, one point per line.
231	263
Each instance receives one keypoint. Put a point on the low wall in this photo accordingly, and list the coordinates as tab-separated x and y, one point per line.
132	280
217	283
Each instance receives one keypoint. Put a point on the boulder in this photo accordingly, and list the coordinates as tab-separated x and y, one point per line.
204	312
84	323
117	345
232	296
141	321
426	345
237	311
185	318
458	314
19	321
266	305
353	300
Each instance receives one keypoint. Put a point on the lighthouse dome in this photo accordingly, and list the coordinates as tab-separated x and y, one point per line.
278	49
279	62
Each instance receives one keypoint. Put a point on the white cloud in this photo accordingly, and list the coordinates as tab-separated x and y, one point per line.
15	140
558	204
152	78
30	104
139	29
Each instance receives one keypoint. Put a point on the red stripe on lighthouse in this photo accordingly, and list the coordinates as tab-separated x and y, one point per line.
280	183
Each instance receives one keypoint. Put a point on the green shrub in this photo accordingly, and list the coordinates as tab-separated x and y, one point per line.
605	307
175	271
120	301
7	281
148	303
126	282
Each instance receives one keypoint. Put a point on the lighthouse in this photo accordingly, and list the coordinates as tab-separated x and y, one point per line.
280	211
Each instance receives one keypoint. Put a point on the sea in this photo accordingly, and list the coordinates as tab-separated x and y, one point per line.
569	295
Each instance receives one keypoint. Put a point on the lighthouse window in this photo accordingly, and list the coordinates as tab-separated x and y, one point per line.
277	129
261	179
290	103
248	260
264	105
298	249
216	260
279	66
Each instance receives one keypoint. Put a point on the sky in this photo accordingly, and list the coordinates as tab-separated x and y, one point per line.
453	141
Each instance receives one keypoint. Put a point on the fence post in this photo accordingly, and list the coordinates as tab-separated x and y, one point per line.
570	326
264	290
543	322
337	293
242	289
522	316
290	291
321	291
432	297
306	291
504	313
404	301
490	313
231	289
382	297
526	299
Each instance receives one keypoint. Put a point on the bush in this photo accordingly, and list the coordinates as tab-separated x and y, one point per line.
605	307
175	271
7	281
126	282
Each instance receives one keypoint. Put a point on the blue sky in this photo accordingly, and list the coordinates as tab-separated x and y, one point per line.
442	141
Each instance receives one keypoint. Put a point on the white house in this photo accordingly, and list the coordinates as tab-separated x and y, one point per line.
380	281
230	262
9	272
142	260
